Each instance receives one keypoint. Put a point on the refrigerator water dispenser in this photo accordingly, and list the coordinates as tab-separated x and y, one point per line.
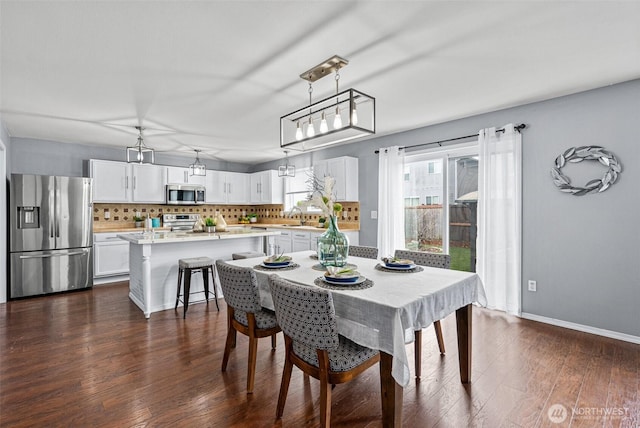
28	217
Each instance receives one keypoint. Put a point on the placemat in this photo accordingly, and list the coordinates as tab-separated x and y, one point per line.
386	269
367	283
292	266
321	268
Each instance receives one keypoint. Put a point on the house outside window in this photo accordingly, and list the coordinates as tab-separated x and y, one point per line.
438	223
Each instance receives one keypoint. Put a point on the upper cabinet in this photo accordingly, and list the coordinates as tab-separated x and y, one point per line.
266	188
126	183
224	187
345	170
178	175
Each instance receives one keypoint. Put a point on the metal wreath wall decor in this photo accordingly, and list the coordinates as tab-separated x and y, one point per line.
578	154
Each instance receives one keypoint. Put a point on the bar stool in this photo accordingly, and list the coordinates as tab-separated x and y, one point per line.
194	265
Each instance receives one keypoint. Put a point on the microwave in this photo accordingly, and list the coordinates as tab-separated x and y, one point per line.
184	194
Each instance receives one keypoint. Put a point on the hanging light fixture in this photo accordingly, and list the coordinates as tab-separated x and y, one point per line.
286	170
140	153
351	112
197	168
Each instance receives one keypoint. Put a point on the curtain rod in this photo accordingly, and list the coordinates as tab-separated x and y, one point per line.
517	128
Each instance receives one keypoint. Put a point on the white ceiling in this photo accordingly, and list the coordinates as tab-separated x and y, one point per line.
217	75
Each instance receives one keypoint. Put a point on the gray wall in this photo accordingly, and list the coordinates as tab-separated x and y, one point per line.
583	251
32	156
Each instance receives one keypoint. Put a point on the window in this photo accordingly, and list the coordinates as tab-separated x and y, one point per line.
297	189
412	201
434	167
440	178
432	200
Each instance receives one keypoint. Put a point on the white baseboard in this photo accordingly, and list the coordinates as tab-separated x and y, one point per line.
583	328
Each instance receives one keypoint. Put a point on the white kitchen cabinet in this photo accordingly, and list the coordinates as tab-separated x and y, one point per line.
300	241
124	182
223	187
303	240
266	188
345	170
313	240
148	183
110	255
281	243
110	181
178	175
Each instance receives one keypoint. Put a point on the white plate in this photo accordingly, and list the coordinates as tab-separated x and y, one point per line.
360	280
275	267
399	267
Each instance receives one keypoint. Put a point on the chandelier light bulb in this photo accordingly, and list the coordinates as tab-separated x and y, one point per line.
324	128
311	132
139	155
298	132
354	115
337	121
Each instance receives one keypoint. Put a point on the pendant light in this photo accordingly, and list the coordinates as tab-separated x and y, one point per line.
140	153
286	170
197	168
351	112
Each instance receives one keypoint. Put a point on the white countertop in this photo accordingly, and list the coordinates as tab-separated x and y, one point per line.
165	237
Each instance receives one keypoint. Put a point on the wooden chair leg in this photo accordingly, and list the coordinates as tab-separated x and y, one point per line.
325	389
438	329
284	384
227	346
417	340
273	341
251	365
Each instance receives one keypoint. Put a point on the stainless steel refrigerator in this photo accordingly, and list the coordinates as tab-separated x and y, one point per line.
51	235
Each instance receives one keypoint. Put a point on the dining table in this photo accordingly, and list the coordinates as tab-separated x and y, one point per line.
384	308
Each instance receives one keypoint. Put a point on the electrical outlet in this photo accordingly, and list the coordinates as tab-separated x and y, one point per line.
107	215
532	285
374	215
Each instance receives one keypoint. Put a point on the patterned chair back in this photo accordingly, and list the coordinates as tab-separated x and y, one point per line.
425	259
239	286
305	314
362	251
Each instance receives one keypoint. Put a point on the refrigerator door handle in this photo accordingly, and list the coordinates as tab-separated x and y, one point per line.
44	256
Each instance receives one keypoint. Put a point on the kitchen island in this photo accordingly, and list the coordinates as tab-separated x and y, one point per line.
153	261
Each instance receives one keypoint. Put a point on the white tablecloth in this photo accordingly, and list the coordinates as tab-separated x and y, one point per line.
386	315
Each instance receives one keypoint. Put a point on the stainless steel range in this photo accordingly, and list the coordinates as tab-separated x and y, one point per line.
180	221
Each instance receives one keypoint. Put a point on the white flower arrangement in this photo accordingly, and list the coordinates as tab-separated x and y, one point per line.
322	197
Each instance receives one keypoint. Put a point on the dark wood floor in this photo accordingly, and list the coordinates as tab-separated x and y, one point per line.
91	359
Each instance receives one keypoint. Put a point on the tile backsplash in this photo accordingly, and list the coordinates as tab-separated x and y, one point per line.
121	215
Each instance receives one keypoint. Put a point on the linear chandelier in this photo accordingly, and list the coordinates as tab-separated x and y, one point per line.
140	153
197	168
339	118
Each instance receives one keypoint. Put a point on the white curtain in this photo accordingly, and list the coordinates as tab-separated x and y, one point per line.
390	200
500	217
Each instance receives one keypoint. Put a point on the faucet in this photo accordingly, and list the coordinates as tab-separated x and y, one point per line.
302	219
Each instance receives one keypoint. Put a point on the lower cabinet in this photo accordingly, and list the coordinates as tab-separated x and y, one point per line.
298	240
110	255
282	242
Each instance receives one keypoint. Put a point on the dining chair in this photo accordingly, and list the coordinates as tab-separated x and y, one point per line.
244	314
362	251
432	260
312	343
